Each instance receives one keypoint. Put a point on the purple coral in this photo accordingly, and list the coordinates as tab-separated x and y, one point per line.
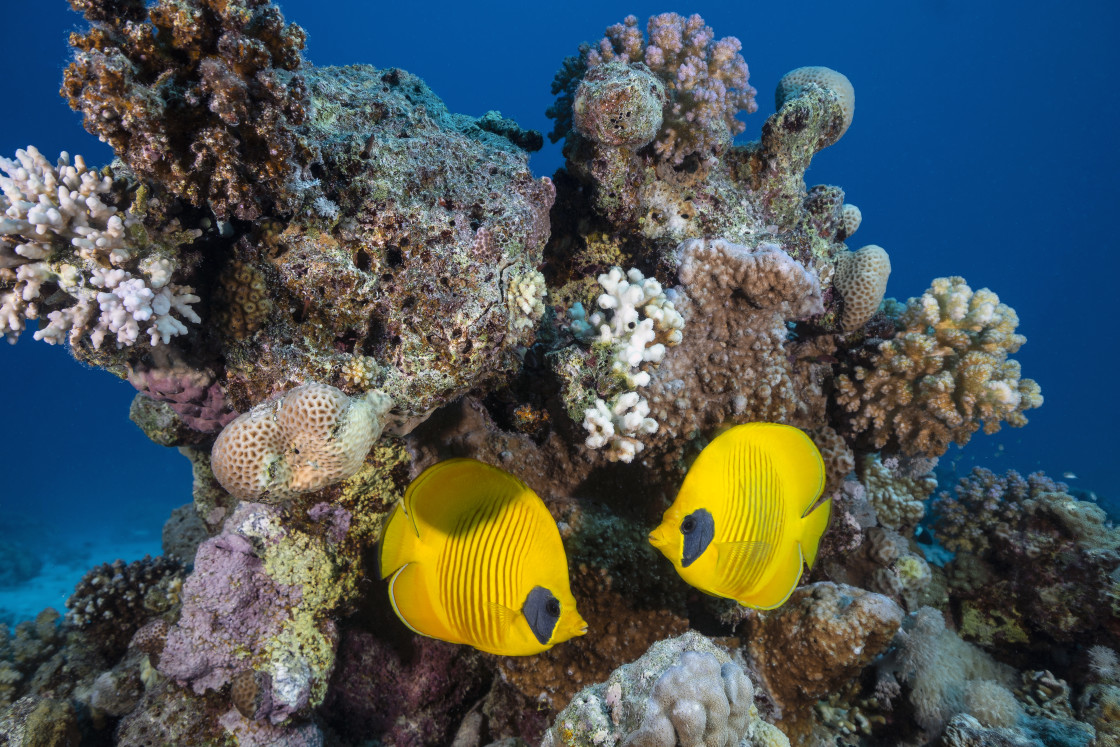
191	393
410	697
706	80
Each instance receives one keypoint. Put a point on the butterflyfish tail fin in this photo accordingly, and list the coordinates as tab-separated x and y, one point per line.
411	600
398	543
813	528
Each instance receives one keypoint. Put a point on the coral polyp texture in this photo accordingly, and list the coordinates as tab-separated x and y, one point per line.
861	280
84	264
304	440
703	86
321	282
201	97
795	81
944	375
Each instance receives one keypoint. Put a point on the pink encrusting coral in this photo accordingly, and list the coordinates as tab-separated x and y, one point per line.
193	394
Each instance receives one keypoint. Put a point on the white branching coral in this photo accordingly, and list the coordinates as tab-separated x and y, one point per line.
636	324
57	232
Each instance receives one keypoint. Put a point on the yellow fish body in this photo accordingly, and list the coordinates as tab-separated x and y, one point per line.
741	525
476	558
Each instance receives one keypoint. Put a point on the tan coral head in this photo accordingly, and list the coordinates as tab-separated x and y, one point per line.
795	81
307	439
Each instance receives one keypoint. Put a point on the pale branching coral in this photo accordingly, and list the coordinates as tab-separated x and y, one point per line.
360	371
525	298
943	376
89	267
861	279
705	81
897	487
637	322
794	82
310	437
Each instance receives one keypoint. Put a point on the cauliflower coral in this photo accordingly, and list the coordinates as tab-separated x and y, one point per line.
943	376
705	81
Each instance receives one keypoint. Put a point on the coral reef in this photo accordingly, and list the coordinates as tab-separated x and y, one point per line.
321	282
1033	563
200	97
703	86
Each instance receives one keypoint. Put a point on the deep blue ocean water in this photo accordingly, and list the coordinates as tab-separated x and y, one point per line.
984	144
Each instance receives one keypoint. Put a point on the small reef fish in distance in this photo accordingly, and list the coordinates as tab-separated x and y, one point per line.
743	525
476	558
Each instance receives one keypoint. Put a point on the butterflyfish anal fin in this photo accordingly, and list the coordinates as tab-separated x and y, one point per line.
412	602
781	584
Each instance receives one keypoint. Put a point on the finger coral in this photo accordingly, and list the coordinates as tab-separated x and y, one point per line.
68	253
943	376
310	437
200	97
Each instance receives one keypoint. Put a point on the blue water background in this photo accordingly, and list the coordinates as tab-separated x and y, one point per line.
984	145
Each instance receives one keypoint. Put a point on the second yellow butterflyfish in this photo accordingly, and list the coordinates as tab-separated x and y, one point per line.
474	557
744	525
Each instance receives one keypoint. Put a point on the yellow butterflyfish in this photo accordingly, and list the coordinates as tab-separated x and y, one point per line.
474	557
743	525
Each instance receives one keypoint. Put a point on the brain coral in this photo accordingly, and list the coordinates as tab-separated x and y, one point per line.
309	438
795	81
861	279
944	375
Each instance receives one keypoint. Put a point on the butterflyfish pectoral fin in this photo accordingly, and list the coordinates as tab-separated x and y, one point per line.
412	602
776	590
741	564
503	618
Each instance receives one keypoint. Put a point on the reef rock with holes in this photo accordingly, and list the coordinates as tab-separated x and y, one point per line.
420	254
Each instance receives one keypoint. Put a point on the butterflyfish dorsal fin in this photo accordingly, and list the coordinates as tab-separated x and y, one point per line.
412	602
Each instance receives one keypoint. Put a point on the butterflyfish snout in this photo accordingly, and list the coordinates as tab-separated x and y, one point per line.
745	522
474	557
